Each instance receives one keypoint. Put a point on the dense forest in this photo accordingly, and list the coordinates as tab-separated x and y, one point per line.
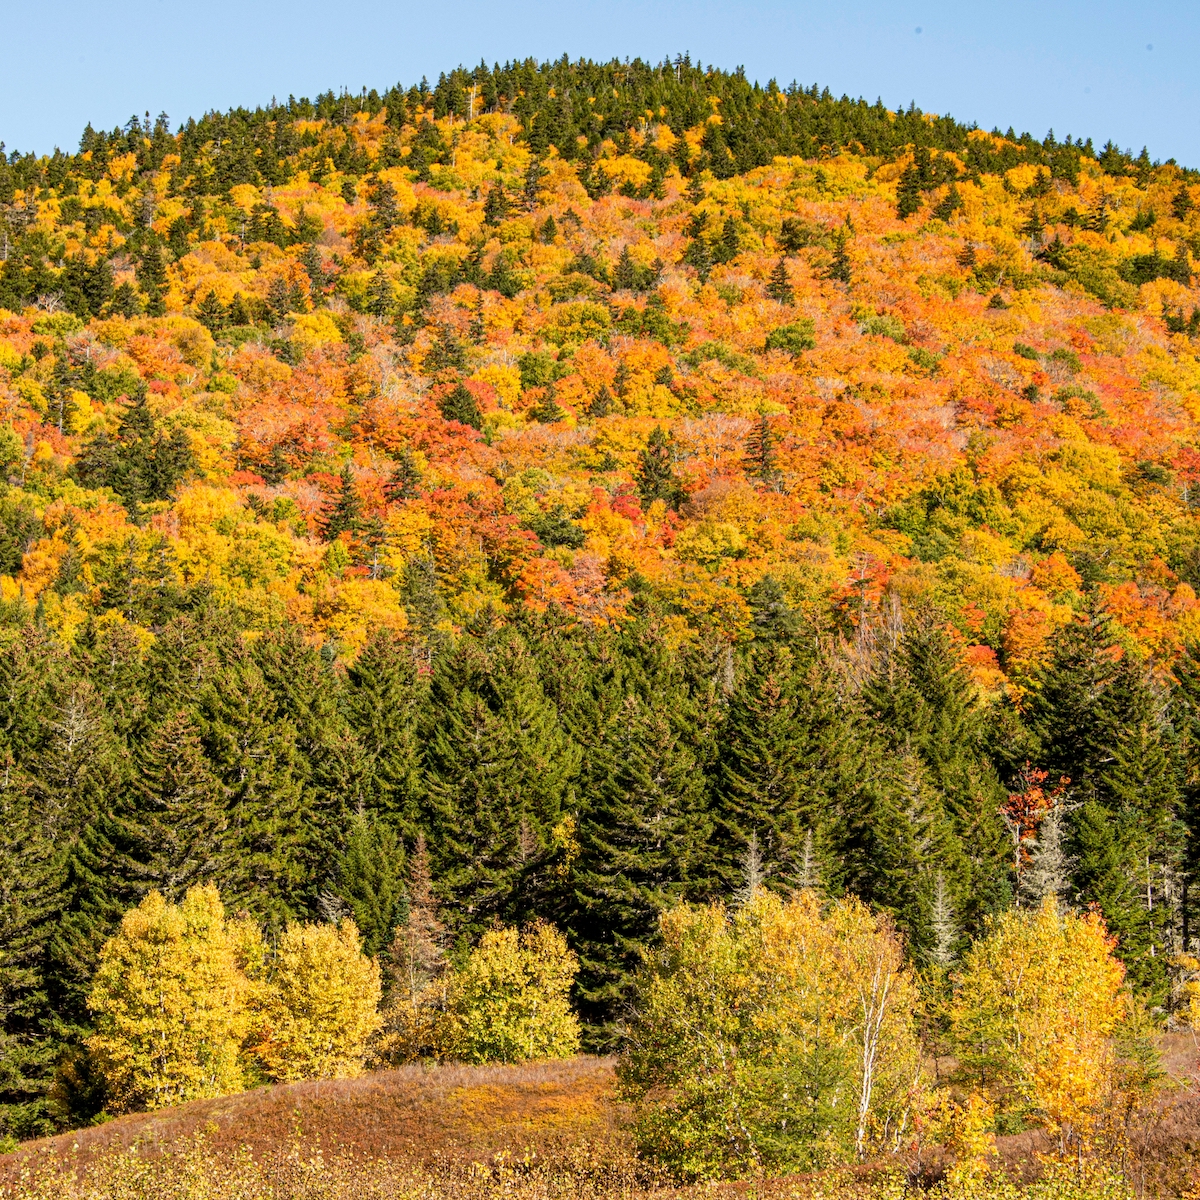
624	479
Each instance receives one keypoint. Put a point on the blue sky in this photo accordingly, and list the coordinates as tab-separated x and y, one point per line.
1099	69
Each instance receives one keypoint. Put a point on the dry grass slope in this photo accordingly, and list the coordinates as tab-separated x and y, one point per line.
548	1131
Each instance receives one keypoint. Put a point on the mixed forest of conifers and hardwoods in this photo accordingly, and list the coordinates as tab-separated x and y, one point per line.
679	519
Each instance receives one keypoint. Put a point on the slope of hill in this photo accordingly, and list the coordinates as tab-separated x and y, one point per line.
422	1115
605	473
540	1130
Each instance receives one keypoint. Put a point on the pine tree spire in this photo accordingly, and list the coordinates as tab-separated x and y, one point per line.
343	516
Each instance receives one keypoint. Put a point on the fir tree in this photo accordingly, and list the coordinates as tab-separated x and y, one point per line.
329	763
779	288
266	810
534	174
496	206
1181	203
381	296
384	698
152	276
772	618
922	701
699	256
91	901
949	204
655	476
405	480
547	411
602	403
766	786
344	514
459	404
498	768
29	899
211	313
893	836
760	452
310	260
908	190
839	268
625	275
730	245
478	329
1072	710
640	845
240	313
369	880
170	828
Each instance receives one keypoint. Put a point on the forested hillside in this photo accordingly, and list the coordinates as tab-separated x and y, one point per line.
625	478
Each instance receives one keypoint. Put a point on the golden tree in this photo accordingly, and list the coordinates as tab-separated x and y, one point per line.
511	1002
320	1005
169	999
1037	1004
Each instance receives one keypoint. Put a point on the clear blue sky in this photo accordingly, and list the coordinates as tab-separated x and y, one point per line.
1101	69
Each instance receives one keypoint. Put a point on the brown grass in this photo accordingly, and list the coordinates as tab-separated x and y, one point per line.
422	1114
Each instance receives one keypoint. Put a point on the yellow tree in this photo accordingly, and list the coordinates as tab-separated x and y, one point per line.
1037	1003
320	1004
169	998
511	1001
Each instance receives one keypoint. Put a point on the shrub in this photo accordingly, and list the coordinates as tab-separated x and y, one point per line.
779	1039
320	1005
169	998
510	1003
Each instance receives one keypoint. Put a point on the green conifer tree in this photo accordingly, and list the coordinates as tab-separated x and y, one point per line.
547	410
264	804
839	269
499	768
641	849
369	880
779	288
344	514
625	275
496	206
655	476
730	245
760	452
384	700
773	755
211	313
405	480
381	296
169	827
459	404
602	403
30	889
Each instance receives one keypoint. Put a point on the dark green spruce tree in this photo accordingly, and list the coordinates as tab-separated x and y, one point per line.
643	846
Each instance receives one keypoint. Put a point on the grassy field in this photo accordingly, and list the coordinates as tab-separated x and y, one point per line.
539	1132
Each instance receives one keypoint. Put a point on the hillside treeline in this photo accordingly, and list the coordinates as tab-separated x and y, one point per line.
571	106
